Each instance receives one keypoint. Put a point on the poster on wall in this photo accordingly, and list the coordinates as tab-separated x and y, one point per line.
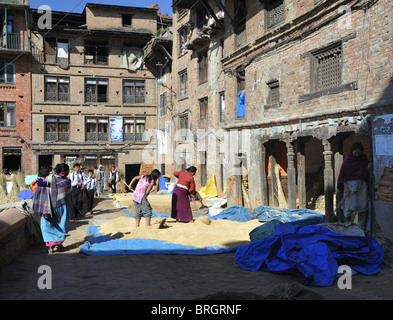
116	127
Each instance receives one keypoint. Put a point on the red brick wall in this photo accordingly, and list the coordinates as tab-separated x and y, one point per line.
20	93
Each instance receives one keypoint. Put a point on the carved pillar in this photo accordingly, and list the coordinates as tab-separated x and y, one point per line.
328	180
291	176
301	174
264	191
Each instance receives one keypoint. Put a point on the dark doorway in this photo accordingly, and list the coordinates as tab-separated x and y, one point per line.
45	161
132	170
12	159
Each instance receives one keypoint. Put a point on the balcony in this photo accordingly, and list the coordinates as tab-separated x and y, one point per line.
14	42
127	99
59	97
133	137
94	136
96	98
57	136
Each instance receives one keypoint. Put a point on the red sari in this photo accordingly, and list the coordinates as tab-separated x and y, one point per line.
181	209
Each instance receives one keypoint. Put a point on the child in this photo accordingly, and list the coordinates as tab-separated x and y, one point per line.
142	190
90	186
41	180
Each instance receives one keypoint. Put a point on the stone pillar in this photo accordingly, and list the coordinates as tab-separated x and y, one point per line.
328	181
291	172
301	174
256	172
338	160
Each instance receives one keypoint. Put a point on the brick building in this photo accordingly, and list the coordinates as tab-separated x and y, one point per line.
195	110
15	86
300	81
93	97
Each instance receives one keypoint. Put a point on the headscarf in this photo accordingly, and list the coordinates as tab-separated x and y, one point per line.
353	168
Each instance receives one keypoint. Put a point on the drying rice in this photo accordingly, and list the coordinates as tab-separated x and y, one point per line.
201	233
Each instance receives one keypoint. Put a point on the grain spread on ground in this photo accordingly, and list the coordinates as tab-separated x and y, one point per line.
202	233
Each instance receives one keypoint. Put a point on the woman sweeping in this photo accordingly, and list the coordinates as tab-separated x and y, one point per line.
54	207
181	209
353	180
142	190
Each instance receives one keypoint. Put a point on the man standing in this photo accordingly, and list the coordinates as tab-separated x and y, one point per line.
97	176
77	183
113	178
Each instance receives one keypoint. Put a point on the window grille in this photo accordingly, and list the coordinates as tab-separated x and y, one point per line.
327	68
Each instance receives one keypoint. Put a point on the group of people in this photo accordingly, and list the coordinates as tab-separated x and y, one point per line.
53	191
51	198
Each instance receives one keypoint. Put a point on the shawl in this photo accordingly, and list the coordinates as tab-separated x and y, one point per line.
353	168
47	199
59	190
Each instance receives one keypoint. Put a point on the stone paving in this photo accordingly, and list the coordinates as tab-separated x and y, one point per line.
157	277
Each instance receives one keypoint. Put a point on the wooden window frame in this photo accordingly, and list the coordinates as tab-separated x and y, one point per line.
203	108
59	134
317	71
203	67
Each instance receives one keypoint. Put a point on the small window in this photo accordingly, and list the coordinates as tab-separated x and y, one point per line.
203	107
222	106
133	91
57	128
326	68
96	90
57	89
275	12
133	129
183	84
126	20
183	35
183	127
203	67
7	114
7	71
96	52
97	129
163	104
274	92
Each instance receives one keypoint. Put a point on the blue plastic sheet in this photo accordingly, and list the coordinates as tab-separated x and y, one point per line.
241	105
235	213
25	194
313	250
97	245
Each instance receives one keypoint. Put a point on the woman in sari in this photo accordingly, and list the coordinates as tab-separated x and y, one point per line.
54	224
353	180
181	209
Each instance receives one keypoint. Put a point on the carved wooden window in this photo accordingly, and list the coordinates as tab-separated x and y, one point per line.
274	92
57	128
275	12
183	84
203	106
203	67
97	129
183	38
326	68
163	104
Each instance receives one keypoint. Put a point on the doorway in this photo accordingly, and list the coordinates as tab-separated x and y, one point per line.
12	159
132	170
45	161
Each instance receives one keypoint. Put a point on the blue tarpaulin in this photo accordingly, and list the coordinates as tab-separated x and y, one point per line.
241	107
96	244
25	194
313	250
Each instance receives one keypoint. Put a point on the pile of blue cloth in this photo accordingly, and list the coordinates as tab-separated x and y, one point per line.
314	251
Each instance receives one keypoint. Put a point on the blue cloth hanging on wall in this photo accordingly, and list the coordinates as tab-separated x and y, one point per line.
241	107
